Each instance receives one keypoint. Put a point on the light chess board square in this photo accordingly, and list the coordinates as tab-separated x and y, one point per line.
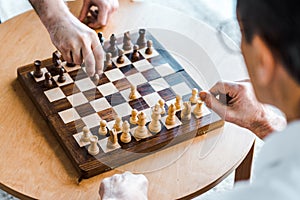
142	65
77	99
152	99
100	104
125	94
114	74
85	84
147	56
182	89
177	122
126	61
54	94
136	79
69	115
123	109
204	109
165	69
159	84
103	144
107	89
44	70
91	120
78	136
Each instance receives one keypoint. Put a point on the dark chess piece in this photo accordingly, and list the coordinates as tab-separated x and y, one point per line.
149	49
108	62
113	49
56	58
38	72
127	46
135	55
120	59
101	38
61	77
48	82
141	41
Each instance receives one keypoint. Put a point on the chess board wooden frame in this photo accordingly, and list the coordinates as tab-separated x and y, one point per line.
87	165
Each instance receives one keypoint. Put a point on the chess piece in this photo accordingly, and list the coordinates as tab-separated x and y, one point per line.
141	41
85	134
101	38
117	124
113	49
48	82
127	46
112	142
170	120
178	102
38	72
186	111
133	118
198	109
161	103
56	58
125	136
61	78
133	93
93	149
194	98
141	131
154	125
149	49
70	64
121	59
102	129
135	55
108	62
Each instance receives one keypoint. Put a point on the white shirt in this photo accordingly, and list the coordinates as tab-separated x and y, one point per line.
277	174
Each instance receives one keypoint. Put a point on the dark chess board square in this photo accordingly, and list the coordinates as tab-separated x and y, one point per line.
108	114
128	70
92	94
109	68
75	127
129	56
145	89
174	79
78	74
138	104
122	84
157	60
62	104
151	74
115	99
95	131
69	89
103	79
85	110
167	94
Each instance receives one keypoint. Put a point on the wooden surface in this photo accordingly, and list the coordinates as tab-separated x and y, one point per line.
33	164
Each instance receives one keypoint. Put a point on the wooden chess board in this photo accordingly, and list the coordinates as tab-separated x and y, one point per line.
79	101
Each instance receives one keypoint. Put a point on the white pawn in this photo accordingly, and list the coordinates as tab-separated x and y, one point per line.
178	102
133	119
132	94
186	111
112	142
198	109
117	124
86	134
125	137
102	128
93	149
194	97
155	125
141	131
161	103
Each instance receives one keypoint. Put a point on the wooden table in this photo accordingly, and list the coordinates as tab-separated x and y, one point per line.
33	164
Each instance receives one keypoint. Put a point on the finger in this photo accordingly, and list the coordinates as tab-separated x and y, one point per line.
89	60
84	10
213	103
98	55
66	55
101	20
77	56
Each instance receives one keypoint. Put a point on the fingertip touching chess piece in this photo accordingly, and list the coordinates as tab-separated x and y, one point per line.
161	103
186	111
38	71
127	45
135	55
154	125
125	136
102	129
133	92
48	81
133	119
178	102
194	97
108	62
170	120
85	134
149	49
141	41
121	59
93	149
61	78
198	109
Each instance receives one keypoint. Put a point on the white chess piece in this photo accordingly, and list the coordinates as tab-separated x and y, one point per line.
186	111
125	137
141	131
198	109
133	119
154	125
93	149
86	134
161	102
133	94
102	128
117	124
194	97
112	142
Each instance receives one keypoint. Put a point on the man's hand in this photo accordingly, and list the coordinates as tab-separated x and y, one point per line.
124	186
99	17
242	108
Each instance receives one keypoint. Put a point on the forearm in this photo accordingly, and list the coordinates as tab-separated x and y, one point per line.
50	11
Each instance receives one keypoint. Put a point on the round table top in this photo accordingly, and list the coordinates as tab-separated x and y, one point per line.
34	165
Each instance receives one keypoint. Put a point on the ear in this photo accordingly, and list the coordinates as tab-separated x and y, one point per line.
265	68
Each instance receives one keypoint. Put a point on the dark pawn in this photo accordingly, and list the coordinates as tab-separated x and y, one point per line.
48	82
56	58
120	59
149	47
101	38
135	55
141	41
61	77
38	72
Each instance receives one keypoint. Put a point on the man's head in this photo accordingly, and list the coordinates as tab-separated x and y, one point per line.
270	44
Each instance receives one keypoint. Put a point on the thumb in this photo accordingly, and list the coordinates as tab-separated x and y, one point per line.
84	10
213	103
